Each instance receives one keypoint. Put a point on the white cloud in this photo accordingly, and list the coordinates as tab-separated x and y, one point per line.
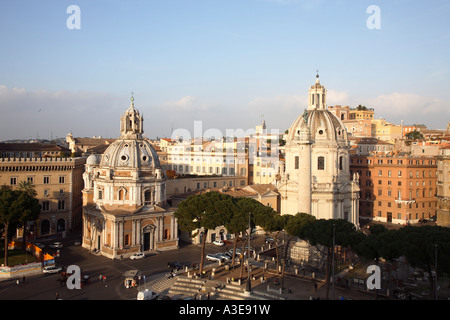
187	103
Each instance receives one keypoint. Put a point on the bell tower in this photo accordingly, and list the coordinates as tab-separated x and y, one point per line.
317	96
131	123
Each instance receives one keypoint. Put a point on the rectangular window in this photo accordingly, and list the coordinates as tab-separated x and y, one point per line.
30	180
297	162
321	163
61	179
46	180
45	205
61	205
13	181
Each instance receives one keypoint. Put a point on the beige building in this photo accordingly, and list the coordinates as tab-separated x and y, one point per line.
383	130
58	183
443	188
361	113
82	145
125	210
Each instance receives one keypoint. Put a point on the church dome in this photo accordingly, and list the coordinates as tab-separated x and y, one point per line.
131	150
320	124
131	154
93	160
317	123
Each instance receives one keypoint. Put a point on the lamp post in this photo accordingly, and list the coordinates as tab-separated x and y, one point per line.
249	285
332	267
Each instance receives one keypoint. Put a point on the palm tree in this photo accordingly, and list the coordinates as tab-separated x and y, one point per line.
28	188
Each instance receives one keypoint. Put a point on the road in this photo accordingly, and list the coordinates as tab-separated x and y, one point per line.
48	287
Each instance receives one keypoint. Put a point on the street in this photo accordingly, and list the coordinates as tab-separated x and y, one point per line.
48	287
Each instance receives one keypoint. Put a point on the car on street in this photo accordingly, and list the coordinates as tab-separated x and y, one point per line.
51	269
56	245
175	265
213	257
136	256
219	243
223	256
269	240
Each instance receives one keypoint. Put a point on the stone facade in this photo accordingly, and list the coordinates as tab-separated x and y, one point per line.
316	179
124	200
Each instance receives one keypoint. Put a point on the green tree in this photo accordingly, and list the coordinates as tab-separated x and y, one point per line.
320	234
414	135
33	213
201	213
295	226
16	206
424	247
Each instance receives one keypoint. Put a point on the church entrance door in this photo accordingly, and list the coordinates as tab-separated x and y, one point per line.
146	241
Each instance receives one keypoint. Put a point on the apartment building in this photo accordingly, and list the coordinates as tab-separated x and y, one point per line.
396	189
58	183
443	187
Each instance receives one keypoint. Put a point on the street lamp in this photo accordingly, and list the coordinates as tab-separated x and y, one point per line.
332	268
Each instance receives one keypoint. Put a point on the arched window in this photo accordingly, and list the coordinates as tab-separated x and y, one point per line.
321	163
61	225
122	194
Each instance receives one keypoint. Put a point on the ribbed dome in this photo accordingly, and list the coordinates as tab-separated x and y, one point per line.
321	124
130	154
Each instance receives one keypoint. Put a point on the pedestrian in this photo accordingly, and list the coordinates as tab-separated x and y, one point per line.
17	281
57	296
100	277
23	279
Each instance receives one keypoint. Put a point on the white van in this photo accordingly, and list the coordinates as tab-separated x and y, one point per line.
147	295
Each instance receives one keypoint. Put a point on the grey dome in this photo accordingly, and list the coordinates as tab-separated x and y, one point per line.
130	154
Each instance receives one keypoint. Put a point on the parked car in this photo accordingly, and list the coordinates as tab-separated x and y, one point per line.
56	245
51	269
213	257
219	243
223	256
269	240
175	265
136	256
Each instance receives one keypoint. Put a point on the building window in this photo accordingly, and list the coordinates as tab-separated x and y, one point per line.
297	160
13	181
45	205
30	180
100	194
341	164
61	205
61	179
46	180
321	163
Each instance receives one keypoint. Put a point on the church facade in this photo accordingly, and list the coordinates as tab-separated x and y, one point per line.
316	176
124	197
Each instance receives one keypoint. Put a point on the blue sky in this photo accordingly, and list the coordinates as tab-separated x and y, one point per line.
227	63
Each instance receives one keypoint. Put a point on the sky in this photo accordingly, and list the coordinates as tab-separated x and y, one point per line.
226	64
